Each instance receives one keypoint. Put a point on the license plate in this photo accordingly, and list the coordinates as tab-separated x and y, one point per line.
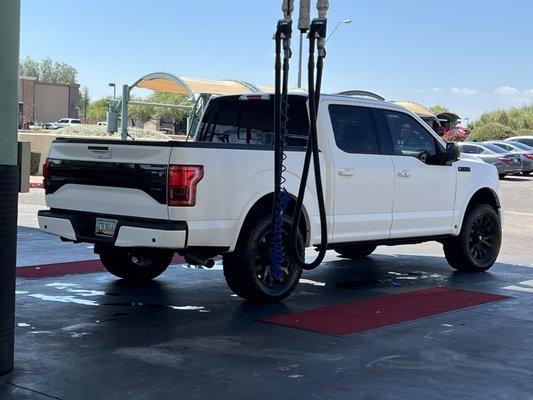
105	227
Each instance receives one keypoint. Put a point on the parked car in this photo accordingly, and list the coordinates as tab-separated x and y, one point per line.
101	123
389	179
525	152
63	122
527	140
49	125
505	162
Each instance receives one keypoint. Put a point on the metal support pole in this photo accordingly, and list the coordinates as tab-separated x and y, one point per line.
9	76
300	61
124	112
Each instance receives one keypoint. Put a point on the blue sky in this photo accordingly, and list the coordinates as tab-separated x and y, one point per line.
469	55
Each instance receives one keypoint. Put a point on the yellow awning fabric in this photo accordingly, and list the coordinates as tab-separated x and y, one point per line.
218	87
418	109
163	82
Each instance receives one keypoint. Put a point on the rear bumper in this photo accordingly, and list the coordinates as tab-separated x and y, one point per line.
130	232
511	169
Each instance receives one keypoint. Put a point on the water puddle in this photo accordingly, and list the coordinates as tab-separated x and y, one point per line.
64	299
201	309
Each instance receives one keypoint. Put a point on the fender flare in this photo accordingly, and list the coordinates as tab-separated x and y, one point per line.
472	194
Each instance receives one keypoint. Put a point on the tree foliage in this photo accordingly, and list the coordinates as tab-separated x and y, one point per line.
517	118
97	110
169	98
490	131
48	70
84	101
140	112
438	109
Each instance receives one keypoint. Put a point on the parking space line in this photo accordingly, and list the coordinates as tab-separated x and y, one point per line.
519	213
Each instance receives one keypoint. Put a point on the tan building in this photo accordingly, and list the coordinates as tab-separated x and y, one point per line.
46	102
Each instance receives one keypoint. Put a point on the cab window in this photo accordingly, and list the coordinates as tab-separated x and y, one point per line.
410	138
237	120
354	129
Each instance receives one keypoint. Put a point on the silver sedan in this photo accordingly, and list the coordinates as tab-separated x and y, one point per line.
525	152
506	163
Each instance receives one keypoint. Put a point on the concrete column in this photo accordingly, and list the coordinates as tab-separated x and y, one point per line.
9	75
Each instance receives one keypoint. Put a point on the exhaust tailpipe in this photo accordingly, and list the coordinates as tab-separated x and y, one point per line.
199	260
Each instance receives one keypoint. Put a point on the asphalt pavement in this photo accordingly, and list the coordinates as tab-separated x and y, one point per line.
186	336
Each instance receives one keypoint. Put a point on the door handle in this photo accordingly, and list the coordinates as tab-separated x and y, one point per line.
404	173
345	172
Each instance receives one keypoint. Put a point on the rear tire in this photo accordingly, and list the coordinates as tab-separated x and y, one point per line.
527	173
502	176
247	269
355	250
134	264
478	245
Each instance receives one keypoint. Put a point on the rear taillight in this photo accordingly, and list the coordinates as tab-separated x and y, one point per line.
46	173
529	156
182	181
506	160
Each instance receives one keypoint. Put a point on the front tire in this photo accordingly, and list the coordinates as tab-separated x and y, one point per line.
355	251
478	245
247	270
134	264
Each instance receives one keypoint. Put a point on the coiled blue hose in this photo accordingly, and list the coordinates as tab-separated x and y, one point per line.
277	250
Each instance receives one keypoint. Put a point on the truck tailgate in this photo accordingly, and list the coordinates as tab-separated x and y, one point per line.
108	177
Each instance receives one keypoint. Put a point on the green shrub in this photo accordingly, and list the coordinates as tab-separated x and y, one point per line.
525	132
517	118
35	162
490	131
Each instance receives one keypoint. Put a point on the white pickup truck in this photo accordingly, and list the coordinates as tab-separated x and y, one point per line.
389	179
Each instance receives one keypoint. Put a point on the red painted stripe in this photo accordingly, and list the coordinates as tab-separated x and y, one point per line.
60	269
362	315
36	185
70	268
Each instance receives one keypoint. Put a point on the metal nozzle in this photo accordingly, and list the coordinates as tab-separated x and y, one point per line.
287	8
304	20
322	6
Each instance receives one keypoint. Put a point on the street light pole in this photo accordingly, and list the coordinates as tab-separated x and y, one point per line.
114	89
9	77
346	21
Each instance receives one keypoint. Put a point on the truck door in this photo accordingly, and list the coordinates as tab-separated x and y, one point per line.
363	176
424	193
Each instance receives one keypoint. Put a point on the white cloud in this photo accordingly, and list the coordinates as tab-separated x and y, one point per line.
506	90
436	89
463	91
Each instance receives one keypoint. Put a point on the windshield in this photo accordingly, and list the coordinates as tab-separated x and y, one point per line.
521	146
494	148
239	120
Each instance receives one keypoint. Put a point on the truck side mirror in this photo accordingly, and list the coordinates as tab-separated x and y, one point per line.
452	152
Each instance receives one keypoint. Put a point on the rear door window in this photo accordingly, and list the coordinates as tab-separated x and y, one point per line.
354	129
467	149
237	120
494	148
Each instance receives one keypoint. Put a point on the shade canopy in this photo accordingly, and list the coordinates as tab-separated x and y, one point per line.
448	116
418	109
164	82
